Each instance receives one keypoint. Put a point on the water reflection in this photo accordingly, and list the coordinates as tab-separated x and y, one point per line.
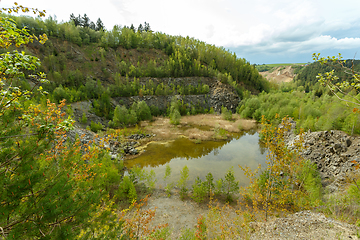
208	156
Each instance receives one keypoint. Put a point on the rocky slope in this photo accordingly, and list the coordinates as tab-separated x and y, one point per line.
219	95
335	153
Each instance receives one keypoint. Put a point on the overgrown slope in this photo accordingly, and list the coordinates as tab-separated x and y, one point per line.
75	55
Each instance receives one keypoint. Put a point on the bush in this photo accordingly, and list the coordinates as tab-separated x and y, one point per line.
96	127
182	183
121	115
175	117
127	190
84	118
143	111
226	114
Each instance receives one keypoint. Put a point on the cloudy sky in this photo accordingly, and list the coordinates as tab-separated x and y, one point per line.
261	31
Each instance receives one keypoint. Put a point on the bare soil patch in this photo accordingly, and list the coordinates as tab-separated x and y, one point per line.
200	127
279	75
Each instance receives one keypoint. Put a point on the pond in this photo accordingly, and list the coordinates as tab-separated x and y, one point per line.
203	157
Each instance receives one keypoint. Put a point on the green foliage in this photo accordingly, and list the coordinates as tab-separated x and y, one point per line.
142	111
169	186
50	188
140	175
127	190
199	190
84	118
203	189
175	111
230	185
226	114
311	181
121	115
96	127
184	56
182	183
309	111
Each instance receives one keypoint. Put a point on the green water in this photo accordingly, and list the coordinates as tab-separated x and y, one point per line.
216	157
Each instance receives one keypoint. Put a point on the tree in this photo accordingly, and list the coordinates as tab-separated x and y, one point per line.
92	25
75	20
331	81
49	188
99	25
147	27
85	21
140	28
132	28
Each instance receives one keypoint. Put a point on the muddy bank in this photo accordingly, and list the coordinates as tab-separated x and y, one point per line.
198	127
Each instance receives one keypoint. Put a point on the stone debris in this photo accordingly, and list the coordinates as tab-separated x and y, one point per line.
116	149
334	152
303	225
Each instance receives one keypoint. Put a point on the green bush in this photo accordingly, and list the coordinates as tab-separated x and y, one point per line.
182	183
199	190
127	190
84	118
143	111
96	127
230	185
226	114
121	116
175	117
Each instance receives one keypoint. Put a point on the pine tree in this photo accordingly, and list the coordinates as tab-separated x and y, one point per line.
140	28
99	25
147	27
85	21
92	25
76	20
132	28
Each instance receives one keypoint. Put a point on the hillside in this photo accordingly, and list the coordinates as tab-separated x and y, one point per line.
75	55
279	74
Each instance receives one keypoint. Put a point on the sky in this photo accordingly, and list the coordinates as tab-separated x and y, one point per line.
261	31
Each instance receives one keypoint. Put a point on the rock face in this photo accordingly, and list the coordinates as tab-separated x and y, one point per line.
335	154
219	95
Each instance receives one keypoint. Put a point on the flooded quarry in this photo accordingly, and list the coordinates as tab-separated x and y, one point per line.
201	157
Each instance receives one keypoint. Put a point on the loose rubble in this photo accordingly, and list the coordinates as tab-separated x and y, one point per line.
334	152
116	149
303	225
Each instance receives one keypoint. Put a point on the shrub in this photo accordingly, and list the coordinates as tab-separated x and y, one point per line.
121	115
84	118
127	190
199	190
230	185
226	114
182	183
142	111
96	127
175	117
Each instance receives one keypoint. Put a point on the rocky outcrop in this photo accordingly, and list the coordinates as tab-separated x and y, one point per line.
115	148
335	154
219	95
